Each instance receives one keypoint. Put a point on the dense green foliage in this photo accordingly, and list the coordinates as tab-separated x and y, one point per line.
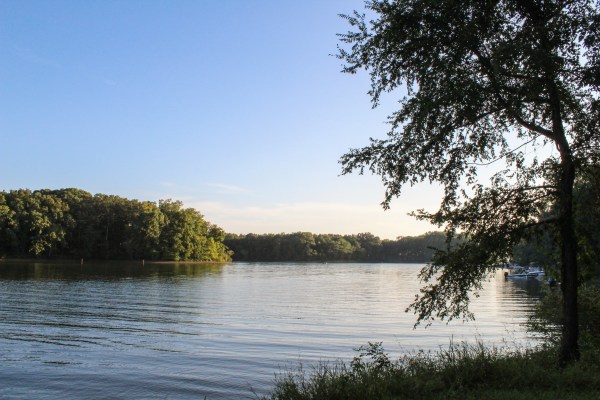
74	224
484	83
545	321
305	246
461	372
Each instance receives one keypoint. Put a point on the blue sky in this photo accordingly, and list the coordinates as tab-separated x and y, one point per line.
234	107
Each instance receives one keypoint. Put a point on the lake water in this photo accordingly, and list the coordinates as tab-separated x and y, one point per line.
182	331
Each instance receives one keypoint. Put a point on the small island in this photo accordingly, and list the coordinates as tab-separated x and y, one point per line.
72	223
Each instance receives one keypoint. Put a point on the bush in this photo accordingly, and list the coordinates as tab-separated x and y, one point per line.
546	320
462	371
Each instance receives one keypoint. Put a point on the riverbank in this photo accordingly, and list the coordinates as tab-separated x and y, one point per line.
461	372
99	261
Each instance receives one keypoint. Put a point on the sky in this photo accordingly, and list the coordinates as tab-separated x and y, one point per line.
237	108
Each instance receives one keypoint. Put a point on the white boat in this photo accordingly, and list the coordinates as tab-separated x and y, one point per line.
525	273
536	272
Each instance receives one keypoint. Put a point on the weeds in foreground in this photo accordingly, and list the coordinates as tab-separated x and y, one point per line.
462	371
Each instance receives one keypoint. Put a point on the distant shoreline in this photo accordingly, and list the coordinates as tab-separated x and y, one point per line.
155	262
95	261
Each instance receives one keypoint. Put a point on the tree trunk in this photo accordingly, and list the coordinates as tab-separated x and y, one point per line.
569	347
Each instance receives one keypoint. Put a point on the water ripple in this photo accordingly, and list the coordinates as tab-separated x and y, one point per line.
219	332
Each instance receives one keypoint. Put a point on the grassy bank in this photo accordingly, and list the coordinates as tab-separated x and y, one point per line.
460	372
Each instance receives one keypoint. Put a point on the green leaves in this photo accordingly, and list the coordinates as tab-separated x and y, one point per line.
505	84
73	223
305	246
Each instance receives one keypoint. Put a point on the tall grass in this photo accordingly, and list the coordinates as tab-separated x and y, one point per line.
465	371
462	371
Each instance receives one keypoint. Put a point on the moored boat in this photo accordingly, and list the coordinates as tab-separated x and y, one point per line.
525	273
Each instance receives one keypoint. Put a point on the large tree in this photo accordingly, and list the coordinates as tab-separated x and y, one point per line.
507	83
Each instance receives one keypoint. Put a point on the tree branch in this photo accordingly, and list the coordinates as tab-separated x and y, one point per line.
505	154
489	70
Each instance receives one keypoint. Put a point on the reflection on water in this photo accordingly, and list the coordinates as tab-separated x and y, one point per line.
525	287
71	270
106	330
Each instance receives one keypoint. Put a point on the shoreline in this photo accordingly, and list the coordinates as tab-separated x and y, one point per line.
96	261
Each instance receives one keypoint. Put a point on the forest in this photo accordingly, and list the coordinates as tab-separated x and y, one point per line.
72	223
306	246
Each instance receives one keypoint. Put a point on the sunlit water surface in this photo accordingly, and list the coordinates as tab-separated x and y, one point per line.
190	331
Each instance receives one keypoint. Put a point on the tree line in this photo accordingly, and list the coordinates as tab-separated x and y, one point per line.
306	246
72	223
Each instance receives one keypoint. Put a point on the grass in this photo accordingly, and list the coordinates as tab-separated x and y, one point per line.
461	372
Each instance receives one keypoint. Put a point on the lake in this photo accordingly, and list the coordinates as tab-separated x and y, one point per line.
186	331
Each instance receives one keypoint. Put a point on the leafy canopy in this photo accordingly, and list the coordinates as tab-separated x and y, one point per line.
511	84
